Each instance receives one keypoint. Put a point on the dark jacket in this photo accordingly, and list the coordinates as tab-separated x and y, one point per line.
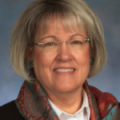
9	111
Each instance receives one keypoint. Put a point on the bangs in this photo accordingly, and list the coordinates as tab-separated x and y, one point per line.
69	21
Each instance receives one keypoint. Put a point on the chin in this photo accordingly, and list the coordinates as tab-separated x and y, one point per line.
66	89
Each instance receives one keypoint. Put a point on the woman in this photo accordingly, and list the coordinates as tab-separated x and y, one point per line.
56	45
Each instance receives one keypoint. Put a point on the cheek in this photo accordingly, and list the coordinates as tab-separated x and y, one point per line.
86	56
38	58
83	63
42	60
83	57
41	64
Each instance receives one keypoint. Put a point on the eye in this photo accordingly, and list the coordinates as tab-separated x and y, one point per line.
50	44
76	42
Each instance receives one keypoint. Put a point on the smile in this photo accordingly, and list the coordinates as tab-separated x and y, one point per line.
64	70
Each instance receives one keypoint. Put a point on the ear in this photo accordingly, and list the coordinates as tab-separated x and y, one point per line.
29	53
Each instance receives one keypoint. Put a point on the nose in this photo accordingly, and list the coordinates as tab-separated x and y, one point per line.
64	53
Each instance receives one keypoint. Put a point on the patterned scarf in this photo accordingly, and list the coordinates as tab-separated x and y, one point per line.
33	104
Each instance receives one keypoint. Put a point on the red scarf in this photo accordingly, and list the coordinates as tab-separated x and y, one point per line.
33	104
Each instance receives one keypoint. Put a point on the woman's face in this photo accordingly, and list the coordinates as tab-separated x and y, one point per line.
50	67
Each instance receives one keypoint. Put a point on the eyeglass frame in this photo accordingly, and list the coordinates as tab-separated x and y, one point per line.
40	44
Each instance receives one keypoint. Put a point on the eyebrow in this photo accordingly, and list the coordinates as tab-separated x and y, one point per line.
57	38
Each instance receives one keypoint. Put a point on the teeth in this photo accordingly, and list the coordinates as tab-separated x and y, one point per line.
64	70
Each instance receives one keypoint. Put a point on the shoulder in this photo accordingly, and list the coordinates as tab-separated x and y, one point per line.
9	111
103	95
106	101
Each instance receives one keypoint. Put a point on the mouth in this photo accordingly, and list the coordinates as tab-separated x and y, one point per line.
64	70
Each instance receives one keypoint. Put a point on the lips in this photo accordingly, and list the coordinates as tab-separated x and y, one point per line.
64	70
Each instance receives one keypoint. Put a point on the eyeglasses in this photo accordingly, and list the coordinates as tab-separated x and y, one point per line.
52	44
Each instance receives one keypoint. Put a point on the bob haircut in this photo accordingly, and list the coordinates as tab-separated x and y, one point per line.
73	13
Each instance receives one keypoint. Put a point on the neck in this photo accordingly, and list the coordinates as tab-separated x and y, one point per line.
69	102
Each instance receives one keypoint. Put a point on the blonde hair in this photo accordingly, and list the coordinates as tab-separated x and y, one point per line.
38	13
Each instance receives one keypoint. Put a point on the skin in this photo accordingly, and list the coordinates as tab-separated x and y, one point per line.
63	89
